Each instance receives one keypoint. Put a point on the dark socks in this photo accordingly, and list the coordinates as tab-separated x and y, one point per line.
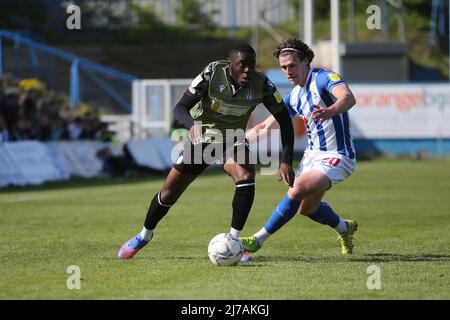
242	202
155	212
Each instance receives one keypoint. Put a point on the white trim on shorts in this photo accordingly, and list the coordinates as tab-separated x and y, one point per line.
335	166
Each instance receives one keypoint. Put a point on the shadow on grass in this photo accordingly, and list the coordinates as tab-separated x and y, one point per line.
172	259
395	257
367	258
370	258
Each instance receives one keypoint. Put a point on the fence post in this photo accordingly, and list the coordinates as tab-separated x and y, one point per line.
34	61
74	84
336	37
1	56
17	41
232	19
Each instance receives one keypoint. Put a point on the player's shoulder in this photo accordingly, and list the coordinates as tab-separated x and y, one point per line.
213	66
326	79
261	75
262	78
326	75
295	91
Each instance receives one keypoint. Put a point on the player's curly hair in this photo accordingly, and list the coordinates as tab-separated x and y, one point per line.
298	46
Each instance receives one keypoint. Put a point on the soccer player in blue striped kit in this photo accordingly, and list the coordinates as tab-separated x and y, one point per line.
322	99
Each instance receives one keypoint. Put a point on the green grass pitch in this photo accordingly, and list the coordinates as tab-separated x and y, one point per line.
402	207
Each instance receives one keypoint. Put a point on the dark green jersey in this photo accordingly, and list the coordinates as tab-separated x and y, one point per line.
223	106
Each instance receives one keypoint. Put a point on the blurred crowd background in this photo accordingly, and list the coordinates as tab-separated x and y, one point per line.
29	112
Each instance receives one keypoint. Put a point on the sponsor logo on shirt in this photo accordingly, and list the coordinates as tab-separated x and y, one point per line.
249	94
277	96
334	77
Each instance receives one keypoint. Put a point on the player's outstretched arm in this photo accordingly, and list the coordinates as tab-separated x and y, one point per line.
344	102
287	139
182	115
182	108
262	130
275	104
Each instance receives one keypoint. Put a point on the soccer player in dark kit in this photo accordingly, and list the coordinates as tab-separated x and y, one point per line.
215	109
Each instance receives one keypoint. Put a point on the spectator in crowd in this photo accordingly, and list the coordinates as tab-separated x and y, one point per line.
121	165
30	105
87	130
59	130
30	113
2	90
44	129
74	128
4	132
103	134
24	129
113	165
9	108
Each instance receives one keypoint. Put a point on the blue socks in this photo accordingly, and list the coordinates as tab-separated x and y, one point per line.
284	212
325	215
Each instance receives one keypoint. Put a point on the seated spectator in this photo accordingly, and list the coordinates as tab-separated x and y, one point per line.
2	89
31	112
4	132
10	107
59	130
44	129
74	128
121	165
87	130
30	104
115	165
103	134
24	130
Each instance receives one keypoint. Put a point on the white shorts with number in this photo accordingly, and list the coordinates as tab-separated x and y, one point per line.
335	166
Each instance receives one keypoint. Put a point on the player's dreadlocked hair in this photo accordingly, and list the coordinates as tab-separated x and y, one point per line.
242	47
294	46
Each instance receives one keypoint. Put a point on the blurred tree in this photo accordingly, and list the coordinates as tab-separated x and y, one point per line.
22	15
420	7
144	16
321	9
295	7
189	13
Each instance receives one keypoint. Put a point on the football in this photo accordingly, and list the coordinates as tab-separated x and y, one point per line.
225	250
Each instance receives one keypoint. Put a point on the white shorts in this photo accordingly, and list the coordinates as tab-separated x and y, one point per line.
335	166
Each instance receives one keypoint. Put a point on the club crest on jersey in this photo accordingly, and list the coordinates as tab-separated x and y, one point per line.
249	94
221	87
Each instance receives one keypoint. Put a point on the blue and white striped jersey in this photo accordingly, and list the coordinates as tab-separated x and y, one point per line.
332	135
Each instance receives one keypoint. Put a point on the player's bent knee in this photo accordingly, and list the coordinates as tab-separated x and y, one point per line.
296	193
244	177
168	196
241	175
306	211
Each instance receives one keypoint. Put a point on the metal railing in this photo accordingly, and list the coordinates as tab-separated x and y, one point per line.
115	84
